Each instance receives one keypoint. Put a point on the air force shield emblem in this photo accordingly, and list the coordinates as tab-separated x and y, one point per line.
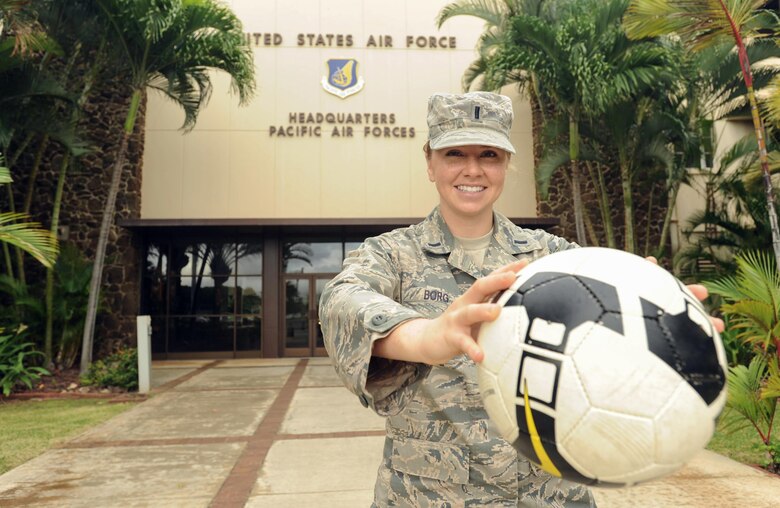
342	79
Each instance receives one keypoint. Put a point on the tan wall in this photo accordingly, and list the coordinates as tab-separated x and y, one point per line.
230	166
692	198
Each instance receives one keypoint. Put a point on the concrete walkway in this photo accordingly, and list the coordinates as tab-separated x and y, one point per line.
280	433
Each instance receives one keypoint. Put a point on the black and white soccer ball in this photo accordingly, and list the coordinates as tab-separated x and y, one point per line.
602	368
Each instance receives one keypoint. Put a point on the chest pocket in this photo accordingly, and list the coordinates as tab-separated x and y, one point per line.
442	461
431	290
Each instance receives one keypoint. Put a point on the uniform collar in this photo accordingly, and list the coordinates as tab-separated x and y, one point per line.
437	237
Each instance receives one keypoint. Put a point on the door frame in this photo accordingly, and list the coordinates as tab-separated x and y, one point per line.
313	315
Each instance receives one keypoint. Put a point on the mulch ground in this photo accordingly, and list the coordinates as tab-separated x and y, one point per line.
66	384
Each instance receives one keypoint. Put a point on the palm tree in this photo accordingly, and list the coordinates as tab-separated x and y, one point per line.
701	23
497	15
75	26
28	95
169	46
583	63
635	132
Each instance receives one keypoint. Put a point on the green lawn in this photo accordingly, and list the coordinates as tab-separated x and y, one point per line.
28	428
742	445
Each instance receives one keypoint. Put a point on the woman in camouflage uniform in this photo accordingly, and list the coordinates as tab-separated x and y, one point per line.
398	324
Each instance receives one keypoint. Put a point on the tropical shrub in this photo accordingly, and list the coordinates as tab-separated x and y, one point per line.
24	306
746	386
752	306
71	293
117	370
16	363
752	301
737	352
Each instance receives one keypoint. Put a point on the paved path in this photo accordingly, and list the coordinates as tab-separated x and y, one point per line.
279	433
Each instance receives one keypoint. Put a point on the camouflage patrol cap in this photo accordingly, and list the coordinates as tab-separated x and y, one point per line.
474	118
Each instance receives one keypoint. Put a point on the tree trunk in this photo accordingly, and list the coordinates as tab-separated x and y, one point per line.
89	81
597	177
105	228
55	222
629	242
667	220
574	152
744	63
6	250
27	205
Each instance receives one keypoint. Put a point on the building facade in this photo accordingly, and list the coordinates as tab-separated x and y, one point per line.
245	218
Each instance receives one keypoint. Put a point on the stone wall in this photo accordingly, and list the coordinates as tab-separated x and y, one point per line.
649	208
649	201
85	192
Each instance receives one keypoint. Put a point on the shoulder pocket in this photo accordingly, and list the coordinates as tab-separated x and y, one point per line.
441	461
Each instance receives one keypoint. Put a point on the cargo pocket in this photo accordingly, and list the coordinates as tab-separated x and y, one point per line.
441	461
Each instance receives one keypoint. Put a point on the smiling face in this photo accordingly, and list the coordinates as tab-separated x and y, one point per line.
469	180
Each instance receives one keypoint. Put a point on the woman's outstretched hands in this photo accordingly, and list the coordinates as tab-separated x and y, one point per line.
436	341
701	293
453	333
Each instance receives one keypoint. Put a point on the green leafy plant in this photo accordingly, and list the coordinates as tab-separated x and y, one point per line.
27	236
69	307
15	359
752	301
752	307
119	369
745	386
26	308
737	352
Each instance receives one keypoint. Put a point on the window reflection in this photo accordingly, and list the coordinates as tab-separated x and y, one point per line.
249	259
202	333
312	257
248	333
156	260
203	296
155	280
201	259
250	295
297	313
206	295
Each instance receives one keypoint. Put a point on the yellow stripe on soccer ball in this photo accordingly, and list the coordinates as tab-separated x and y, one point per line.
536	441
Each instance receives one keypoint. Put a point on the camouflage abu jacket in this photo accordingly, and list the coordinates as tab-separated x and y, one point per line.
440	449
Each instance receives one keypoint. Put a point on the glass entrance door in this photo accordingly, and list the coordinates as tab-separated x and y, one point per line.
302	333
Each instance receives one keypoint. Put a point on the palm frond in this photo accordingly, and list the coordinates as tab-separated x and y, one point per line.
772	388
759	277
5	174
29	237
771	104
553	159
493	12
744	386
173	45
699	22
